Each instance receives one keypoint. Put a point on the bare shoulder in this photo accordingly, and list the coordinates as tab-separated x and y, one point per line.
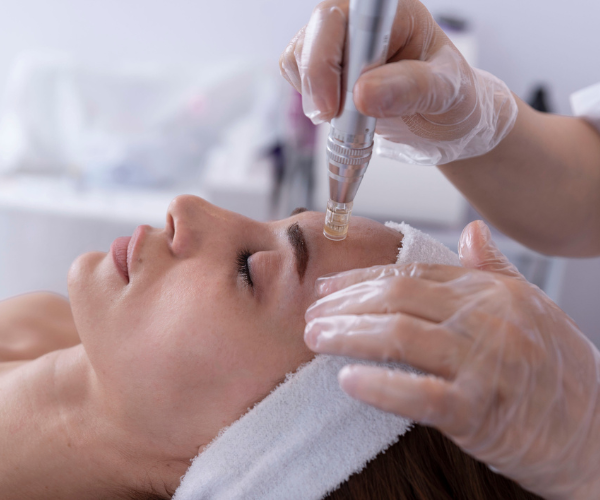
34	324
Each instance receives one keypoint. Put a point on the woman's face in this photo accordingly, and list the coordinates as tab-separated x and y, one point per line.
211	315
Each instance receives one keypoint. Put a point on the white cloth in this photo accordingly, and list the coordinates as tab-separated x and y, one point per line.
586	104
420	247
307	437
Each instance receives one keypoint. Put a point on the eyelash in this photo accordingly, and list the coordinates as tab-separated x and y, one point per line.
244	268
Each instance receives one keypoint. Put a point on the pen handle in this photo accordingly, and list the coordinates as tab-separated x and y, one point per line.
350	141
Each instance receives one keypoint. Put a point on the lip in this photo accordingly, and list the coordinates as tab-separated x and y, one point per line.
124	251
119	250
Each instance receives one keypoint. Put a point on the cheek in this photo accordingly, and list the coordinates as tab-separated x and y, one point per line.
182	339
172	330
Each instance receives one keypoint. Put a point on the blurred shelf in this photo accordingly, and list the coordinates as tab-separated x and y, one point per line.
54	196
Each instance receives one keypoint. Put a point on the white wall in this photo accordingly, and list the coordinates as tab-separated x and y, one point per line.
522	41
580	293
528	41
178	32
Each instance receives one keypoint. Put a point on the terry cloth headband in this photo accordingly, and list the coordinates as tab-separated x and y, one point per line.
307	437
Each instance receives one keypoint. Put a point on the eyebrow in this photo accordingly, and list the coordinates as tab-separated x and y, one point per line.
296	239
298	210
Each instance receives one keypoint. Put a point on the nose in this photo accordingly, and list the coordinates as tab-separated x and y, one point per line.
191	218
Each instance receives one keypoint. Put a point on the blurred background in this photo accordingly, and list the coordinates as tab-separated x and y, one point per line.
110	109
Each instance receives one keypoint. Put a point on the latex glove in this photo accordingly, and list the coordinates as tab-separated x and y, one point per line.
432	107
509	376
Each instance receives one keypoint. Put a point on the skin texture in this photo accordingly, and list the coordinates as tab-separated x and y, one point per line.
170	357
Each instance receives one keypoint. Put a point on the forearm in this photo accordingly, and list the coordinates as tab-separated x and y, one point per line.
541	185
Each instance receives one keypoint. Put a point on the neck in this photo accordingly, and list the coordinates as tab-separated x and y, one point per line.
59	442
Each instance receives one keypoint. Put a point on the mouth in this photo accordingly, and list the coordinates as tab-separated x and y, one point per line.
122	250
119	250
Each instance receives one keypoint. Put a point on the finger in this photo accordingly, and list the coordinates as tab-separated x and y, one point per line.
425	299
407	87
288	61
477	250
321	61
425	399
329	284
422	344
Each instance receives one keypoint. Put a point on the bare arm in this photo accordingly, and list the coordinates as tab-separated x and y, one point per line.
540	185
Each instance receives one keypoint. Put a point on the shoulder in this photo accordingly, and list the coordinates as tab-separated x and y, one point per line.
34	324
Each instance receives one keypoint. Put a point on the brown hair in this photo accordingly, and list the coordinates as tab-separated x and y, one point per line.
426	465
422	465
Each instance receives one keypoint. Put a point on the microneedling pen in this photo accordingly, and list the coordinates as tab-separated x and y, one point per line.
350	141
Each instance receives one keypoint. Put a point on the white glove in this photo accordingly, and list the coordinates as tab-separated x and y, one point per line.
510	378
432	107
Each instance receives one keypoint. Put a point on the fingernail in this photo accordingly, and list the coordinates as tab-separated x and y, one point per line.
485	231
348	379
324	284
381	99
289	72
329	275
311	335
315	116
318	309
325	335
487	234
386	99
312	105
291	77
396	98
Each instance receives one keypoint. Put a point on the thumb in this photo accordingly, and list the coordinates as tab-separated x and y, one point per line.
407	87
477	251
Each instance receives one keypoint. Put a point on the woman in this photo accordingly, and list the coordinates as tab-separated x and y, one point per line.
182	330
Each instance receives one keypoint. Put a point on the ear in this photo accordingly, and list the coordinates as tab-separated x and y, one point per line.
477	251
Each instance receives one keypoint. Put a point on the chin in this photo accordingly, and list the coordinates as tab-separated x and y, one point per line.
90	280
82	270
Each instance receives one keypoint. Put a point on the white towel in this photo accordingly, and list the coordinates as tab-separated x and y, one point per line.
585	104
307	437
420	247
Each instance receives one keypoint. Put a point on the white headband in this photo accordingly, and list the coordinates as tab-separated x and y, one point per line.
307	437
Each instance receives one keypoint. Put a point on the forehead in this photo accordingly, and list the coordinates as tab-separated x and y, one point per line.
368	243
360	227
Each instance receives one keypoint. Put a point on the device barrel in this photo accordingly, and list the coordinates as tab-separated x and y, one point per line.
350	142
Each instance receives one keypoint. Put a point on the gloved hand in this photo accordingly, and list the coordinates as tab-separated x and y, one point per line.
508	375
433	108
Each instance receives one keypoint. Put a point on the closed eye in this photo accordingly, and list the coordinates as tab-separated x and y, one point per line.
243	267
